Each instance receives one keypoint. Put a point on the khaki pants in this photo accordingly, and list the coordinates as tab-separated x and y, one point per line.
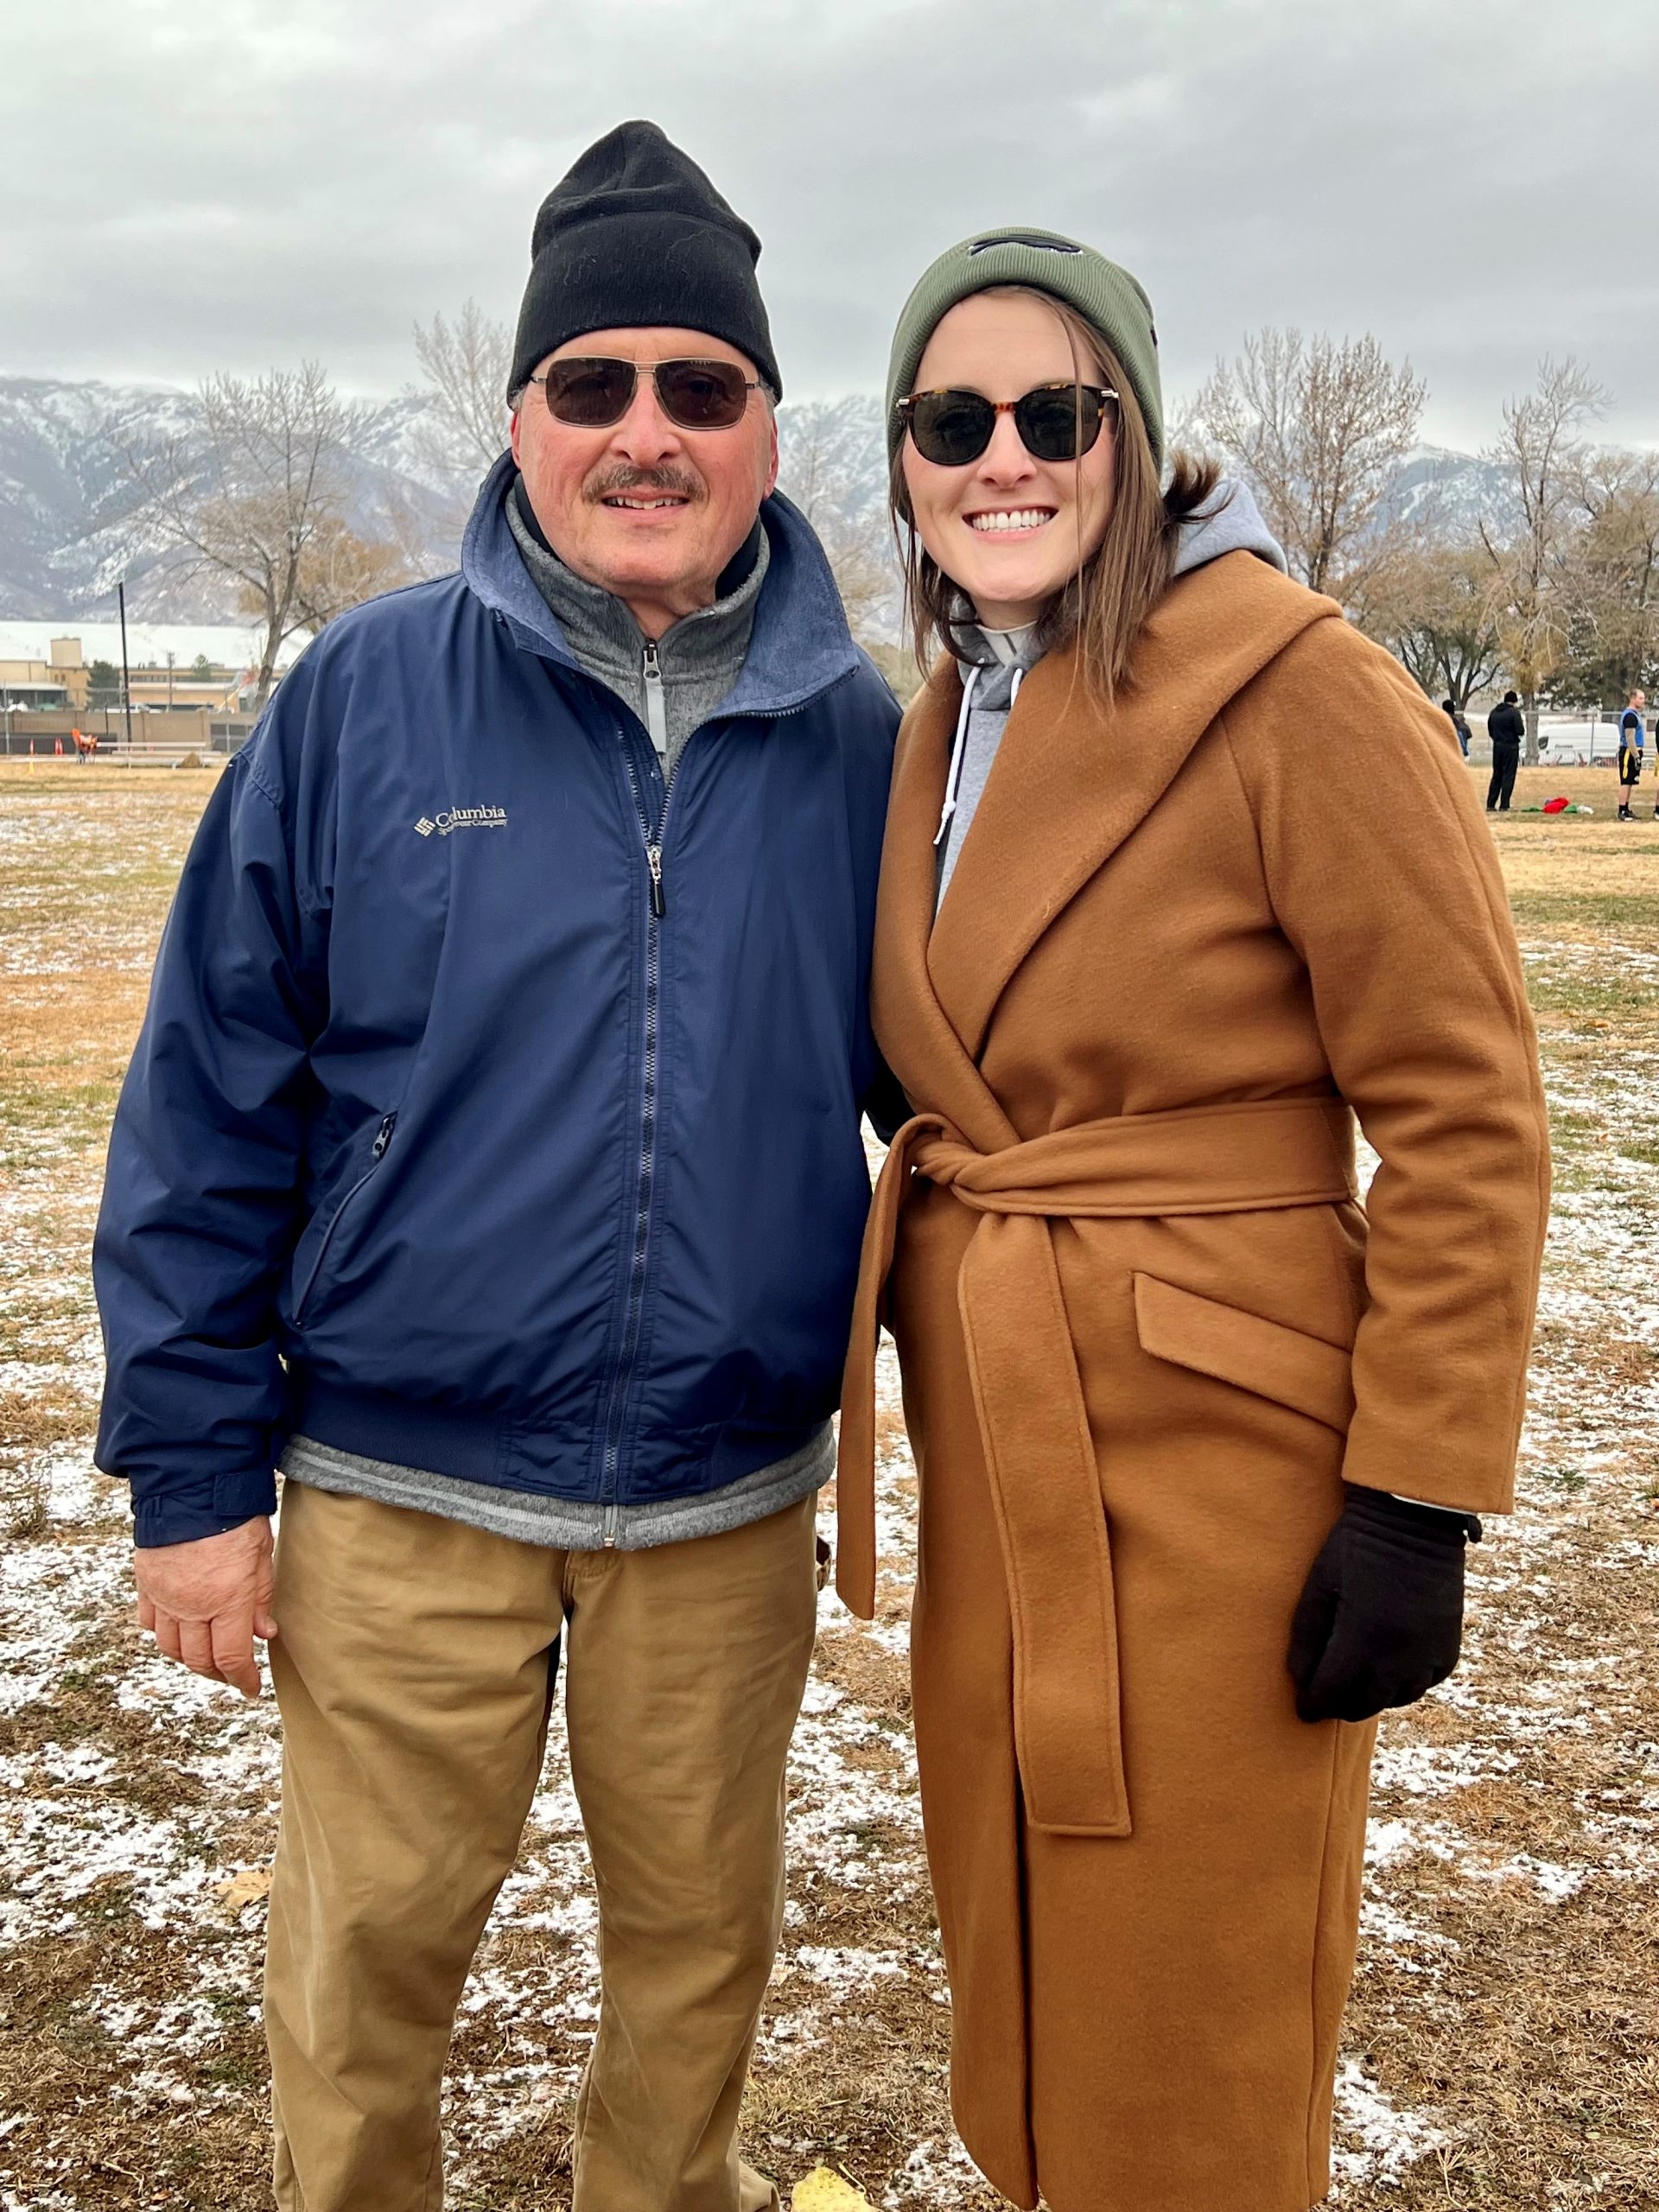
415	1667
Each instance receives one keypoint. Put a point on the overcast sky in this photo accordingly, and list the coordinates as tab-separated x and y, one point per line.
193	185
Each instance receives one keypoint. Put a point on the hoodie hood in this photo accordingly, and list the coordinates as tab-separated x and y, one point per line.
1228	521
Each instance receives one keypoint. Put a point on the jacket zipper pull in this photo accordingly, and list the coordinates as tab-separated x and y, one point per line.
383	1137
656	702
654	862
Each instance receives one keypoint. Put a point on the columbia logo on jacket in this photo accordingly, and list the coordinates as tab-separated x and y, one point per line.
461	818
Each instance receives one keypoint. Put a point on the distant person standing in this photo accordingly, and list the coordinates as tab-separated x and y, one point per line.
1459	722
1631	737
1506	728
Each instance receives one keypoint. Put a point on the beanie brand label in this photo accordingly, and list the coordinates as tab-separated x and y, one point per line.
1022	237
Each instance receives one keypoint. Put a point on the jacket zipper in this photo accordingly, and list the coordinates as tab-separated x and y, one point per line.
651	835
656	702
377	1153
653	838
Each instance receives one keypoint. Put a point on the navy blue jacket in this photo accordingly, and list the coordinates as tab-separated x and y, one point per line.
494	1114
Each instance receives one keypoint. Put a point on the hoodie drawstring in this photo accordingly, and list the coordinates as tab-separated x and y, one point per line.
953	781
959	750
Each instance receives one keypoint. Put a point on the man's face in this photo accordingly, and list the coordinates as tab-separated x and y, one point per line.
647	510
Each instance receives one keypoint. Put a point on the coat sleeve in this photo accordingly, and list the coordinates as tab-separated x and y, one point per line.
1382	874
200	1196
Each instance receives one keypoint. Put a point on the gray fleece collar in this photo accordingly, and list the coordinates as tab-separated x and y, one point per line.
603	637
800	645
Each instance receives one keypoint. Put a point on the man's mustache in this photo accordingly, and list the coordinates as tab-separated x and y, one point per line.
608	483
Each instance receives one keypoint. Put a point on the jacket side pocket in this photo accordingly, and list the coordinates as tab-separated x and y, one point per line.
377	1153
1303	1372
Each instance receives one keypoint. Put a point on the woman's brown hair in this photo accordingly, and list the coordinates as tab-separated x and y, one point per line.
1104	602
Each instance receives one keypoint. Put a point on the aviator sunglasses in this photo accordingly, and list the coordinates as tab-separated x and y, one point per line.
1055	421
594	392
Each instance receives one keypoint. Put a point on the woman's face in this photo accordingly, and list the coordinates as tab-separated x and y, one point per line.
1008	530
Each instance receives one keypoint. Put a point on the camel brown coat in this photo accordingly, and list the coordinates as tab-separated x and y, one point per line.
1146	1330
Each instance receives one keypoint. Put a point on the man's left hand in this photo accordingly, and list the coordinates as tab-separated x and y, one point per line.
206	1599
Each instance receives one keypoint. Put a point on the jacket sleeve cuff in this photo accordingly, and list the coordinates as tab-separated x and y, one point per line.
206	1507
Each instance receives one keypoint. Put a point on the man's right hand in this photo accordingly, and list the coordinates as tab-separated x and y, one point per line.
206	1600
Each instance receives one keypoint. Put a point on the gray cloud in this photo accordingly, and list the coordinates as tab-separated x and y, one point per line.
193	185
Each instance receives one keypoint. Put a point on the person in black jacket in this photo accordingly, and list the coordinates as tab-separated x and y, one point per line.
1506	728
1458	721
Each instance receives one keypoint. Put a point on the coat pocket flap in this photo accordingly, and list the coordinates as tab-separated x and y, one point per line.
1300	1371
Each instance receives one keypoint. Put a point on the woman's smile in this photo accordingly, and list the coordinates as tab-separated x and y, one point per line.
1009	522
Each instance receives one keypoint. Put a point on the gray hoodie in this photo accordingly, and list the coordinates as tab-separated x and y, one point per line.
994	662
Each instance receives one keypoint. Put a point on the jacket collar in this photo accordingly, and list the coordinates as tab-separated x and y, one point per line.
800	644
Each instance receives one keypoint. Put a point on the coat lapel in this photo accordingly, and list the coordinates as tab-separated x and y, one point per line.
921	1046
1071	782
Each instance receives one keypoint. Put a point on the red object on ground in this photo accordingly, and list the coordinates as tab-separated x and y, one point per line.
57	747
1555	806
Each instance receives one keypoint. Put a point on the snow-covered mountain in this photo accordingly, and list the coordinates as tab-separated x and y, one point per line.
70	513
67	498
1450	494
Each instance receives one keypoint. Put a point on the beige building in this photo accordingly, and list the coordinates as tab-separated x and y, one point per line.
60	681
64	681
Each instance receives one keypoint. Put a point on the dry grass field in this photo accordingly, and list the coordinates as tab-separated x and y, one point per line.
1502	2047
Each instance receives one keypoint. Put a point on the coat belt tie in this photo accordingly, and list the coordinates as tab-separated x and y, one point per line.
1033	1424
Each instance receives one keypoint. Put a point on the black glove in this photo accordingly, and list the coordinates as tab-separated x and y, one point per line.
1381	1617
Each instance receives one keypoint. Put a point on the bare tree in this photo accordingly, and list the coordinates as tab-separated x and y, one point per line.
865	577
1437	610
465	363
807	464
1318	428
899	667
340	570
248	493
1612	585
1183	431
815	476
1542	455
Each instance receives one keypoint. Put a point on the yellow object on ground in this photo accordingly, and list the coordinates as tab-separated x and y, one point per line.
824	2191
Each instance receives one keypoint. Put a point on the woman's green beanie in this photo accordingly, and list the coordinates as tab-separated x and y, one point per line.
1107	297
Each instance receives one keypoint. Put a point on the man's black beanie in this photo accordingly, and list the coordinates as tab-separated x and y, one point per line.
635	235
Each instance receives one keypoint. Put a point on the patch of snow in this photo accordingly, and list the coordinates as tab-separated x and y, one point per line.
1376	2141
